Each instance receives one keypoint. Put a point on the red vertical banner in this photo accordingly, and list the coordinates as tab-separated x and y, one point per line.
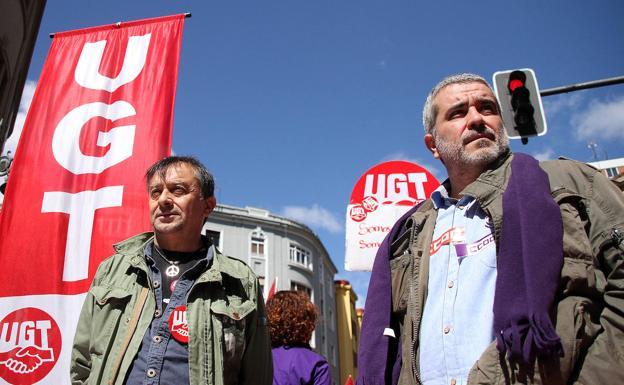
101	115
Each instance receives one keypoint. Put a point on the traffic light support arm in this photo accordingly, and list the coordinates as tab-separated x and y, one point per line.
582	86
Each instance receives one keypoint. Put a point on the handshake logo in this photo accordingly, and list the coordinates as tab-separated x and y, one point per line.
30	343
25	360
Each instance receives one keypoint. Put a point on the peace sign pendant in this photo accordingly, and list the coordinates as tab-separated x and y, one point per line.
172	271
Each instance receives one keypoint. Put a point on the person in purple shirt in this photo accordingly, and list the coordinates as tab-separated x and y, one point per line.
292	319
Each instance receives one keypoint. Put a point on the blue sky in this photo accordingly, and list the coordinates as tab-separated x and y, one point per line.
288	102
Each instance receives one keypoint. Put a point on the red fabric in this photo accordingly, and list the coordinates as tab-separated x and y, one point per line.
33	243
100	116
272	289
349	381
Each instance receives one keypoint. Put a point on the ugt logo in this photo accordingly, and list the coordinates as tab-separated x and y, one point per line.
30	344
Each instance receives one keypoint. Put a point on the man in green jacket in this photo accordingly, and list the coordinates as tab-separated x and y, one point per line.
168	307
511	273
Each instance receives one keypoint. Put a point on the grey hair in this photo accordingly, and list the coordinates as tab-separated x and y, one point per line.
204	177
430	111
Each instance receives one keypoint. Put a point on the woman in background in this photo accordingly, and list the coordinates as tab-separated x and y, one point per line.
292	319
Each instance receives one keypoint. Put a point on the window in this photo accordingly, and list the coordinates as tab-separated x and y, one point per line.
300	255
257	243
612	172
300	287
214	237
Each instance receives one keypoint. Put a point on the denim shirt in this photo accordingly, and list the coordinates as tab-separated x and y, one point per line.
162	359
457	322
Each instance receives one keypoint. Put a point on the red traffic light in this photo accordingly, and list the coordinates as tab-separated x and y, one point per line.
515	83
521	106
516	79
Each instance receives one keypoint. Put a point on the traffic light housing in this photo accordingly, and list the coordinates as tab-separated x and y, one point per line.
521	105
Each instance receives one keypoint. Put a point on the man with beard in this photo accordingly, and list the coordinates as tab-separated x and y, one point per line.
512	272
168	307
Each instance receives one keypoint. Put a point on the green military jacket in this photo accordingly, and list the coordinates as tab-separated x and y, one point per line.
228	334
589	306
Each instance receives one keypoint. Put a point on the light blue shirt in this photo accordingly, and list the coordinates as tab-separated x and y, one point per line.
457	322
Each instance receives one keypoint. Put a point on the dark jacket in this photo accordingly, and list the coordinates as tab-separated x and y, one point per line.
589	303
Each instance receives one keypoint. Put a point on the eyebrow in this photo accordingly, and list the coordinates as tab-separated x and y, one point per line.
464	103
171	183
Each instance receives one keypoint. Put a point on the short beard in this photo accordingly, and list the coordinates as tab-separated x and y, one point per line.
456	153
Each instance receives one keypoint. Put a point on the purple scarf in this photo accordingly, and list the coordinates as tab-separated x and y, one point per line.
529	267
529	264
379	355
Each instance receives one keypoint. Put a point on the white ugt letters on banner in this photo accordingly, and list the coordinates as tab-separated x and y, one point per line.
100	116
66	149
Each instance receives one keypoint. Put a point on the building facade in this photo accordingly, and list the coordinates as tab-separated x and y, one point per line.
19	25
349	325
277	248
613	169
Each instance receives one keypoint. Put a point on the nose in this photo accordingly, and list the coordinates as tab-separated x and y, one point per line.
164	199
474	119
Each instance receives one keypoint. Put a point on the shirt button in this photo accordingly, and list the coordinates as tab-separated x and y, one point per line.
453	381
451	284
151	373
447	330
157	313
156	284
157	339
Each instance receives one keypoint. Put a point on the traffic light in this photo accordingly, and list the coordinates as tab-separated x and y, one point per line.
521	105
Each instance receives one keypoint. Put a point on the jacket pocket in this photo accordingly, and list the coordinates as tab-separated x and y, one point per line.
110	303
576	243
232	315
400	269
577	331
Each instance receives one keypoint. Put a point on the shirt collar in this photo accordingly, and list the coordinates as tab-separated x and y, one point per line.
441	199
206	258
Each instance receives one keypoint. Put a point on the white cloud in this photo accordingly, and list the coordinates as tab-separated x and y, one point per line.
546	154
27	95
437	171
601	119
400	155
560	103
315	217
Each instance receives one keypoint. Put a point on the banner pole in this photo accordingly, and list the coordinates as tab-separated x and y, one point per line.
187	15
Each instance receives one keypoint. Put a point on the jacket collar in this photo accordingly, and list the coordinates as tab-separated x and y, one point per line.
134	247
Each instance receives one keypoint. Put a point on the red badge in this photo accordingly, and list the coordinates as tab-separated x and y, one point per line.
172	286
178	325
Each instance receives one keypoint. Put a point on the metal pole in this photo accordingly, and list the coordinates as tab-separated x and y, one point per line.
582	86
187	15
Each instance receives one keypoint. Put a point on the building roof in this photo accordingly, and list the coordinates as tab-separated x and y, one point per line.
608	163
264	216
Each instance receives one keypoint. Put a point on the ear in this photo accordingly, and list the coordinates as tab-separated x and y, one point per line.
211	203
431	145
